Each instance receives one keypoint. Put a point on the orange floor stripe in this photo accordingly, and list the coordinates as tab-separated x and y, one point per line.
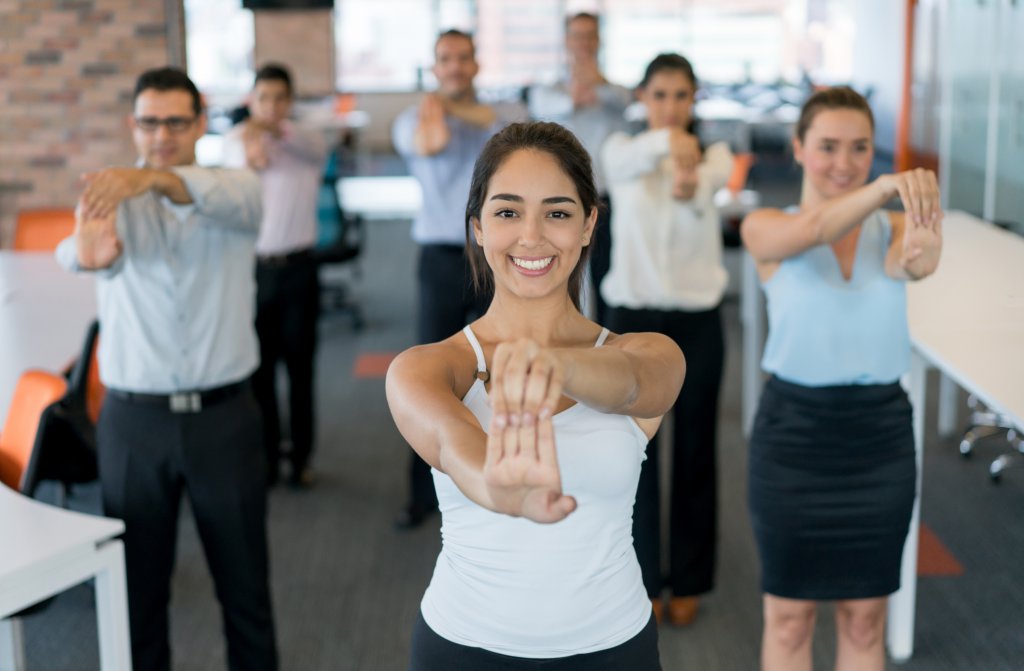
933	558
372	364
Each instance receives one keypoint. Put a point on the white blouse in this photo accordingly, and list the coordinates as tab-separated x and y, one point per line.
666	253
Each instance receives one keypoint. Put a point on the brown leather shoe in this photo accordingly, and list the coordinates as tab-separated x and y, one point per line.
682	610
658	607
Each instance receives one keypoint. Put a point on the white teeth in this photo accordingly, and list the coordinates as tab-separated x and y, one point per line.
535	264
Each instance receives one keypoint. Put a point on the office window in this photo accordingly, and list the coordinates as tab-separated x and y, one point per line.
219	47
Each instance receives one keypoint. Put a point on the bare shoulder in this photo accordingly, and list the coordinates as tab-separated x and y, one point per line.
644	340
447	363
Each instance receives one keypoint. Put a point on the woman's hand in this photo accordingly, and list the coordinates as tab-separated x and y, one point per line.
521	468
521	471
921	248
918	190
683	148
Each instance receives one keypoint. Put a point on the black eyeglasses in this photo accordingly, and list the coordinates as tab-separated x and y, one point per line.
174	124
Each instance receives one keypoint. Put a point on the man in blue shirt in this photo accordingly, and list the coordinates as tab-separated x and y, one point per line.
440	140
172	246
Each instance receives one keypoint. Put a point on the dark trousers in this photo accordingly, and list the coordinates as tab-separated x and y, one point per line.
447	302
287	307
148	457
431	652
693	504
601	257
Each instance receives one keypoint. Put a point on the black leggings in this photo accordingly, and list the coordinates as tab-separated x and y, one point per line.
431	652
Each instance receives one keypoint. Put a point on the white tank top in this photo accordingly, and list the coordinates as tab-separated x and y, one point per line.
520	588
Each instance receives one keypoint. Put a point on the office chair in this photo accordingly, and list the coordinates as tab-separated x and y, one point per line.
42	230
340	244
35	397
985	423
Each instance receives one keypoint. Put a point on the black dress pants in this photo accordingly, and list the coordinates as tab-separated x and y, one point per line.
693	504
601	257
447	302
149	456
287	307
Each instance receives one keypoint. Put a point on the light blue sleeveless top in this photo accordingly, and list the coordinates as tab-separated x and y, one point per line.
824	330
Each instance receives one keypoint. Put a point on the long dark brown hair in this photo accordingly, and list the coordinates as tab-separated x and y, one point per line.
835	98
574	160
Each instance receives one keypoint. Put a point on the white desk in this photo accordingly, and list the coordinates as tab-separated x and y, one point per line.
44	313
380	198
46	551
967	320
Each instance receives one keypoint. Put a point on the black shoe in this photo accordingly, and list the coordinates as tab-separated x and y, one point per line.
413	515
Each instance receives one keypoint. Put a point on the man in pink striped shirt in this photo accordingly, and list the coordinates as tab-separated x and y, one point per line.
290	161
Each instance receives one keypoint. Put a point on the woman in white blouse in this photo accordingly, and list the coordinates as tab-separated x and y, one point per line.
667	276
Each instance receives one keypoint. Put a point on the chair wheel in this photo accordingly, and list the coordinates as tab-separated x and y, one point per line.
966	447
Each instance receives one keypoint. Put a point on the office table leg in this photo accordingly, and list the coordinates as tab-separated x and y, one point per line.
902	603
12	647
948	396
112	609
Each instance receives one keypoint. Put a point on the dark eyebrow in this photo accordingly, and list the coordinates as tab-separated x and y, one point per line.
519	199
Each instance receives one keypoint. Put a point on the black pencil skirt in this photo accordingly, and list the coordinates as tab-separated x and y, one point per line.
831	489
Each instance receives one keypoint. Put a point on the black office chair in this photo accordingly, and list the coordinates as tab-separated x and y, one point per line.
66	449
341	243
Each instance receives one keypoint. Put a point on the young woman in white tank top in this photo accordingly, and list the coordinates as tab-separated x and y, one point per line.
534	420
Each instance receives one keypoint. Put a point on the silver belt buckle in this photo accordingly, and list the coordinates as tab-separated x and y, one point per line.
189	401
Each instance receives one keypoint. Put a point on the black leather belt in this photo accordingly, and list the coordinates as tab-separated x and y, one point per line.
183	401
280	260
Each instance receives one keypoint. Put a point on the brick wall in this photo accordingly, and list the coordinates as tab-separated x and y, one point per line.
302	40
67	70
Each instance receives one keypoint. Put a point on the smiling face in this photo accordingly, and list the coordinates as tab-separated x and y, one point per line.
668	98
165	127
836	152
532	225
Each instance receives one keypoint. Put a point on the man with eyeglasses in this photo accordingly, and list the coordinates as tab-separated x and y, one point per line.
172	248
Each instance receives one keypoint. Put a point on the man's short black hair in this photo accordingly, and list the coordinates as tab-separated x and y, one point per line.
275	72
168	79
455	32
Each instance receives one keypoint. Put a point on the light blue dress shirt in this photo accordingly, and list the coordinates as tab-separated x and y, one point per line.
445	177
177	307
824	330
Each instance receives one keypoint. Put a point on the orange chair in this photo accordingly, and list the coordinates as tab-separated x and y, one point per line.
35	397
41	230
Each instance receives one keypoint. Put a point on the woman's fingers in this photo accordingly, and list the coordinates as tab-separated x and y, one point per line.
547	453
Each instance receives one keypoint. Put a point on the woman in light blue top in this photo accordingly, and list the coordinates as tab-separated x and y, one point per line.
832	470
534	419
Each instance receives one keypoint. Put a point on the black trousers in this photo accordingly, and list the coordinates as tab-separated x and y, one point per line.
431	652
287	307
447	302
149	456
693	505
601	257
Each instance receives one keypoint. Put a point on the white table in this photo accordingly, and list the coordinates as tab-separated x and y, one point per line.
44	313
380	198
46	551
967	320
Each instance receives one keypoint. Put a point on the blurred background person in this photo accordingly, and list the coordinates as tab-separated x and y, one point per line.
290	162
591	107
440	139
667	276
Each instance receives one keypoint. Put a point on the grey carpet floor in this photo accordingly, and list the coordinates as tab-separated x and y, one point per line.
347	586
